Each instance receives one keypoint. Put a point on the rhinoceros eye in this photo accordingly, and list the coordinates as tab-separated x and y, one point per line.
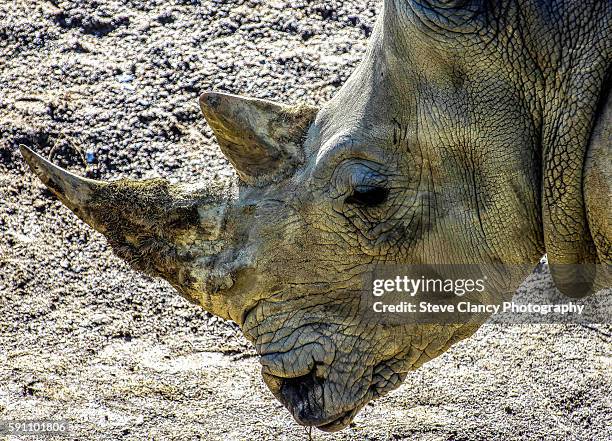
450	15
447	3
368	196
443	4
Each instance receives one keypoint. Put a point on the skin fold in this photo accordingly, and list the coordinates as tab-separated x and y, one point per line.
473	132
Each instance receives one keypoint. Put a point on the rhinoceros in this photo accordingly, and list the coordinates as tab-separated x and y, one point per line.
472	132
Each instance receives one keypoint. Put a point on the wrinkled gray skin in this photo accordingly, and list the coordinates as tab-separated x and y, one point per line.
472	132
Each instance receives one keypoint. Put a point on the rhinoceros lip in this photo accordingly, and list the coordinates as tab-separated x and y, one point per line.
339	423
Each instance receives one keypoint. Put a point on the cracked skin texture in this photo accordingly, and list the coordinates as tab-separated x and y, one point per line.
472	132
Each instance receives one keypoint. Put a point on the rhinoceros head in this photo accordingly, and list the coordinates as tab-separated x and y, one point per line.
437	150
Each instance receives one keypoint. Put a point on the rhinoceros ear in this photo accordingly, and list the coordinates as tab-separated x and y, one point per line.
262	139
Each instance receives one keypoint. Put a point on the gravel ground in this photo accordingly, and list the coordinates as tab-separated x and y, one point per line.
120	355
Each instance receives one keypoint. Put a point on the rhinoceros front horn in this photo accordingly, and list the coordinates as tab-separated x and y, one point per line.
262	139
166	230
74	191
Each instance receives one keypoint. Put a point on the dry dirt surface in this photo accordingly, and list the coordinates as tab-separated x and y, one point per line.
109	89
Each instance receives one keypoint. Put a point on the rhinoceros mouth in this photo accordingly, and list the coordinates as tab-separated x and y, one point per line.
301	369
303	396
